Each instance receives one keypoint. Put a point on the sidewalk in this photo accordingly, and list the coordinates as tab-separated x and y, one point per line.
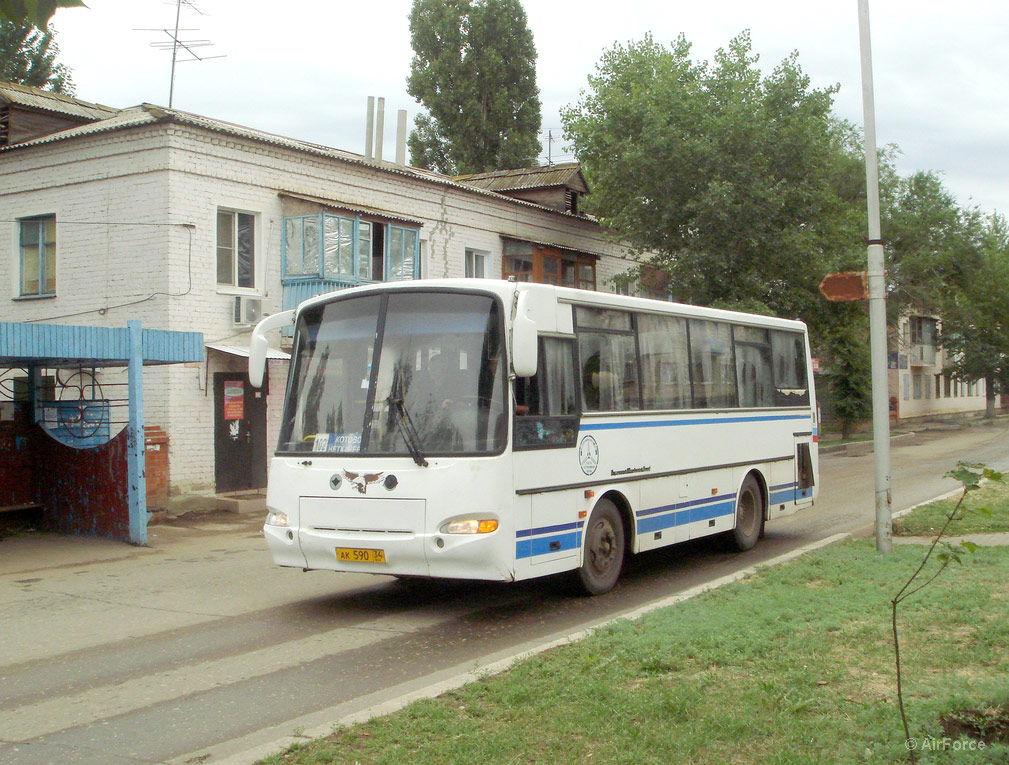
830	442
28	551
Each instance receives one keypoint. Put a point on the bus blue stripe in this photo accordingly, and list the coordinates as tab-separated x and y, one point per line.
529	548
681	505
782	496
682	517
548	529
790	493
537	541
705	421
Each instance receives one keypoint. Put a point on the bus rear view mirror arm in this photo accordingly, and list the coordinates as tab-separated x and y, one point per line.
258	345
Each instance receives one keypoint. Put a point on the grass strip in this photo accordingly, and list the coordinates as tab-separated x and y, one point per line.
792	665
928	519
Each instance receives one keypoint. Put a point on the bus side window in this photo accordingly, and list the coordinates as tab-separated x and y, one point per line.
546	405
788	351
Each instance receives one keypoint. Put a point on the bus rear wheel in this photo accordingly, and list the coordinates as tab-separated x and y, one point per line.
749	515
604	549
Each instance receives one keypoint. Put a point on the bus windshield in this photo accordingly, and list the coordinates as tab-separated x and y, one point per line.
398	374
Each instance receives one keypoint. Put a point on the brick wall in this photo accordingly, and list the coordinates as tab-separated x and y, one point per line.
136	239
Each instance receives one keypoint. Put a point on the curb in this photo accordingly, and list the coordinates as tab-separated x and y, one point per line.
855	448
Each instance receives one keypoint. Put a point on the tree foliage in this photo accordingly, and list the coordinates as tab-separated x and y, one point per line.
474	70
954	263
848	374
734	179
28	57
930	242
745	190
37	12
974	311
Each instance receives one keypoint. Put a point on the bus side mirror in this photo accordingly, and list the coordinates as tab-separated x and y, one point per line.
258	345
524	346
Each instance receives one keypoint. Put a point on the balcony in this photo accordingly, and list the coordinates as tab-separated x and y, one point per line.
922	355
298	289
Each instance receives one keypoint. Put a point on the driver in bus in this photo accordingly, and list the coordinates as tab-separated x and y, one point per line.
437	392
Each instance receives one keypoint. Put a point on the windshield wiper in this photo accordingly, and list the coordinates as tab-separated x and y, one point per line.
408	430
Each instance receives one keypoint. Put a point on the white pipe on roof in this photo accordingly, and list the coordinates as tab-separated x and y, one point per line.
369	127
379	128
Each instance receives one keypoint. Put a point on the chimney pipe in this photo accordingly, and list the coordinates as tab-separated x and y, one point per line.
379	128
401	137
369	128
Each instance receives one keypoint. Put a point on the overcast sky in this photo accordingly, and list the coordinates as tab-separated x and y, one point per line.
304	68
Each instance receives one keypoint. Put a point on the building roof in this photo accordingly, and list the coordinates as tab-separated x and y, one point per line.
44	100
568	175
336	204
150	114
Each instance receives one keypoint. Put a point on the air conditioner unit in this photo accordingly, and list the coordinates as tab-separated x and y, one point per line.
248	310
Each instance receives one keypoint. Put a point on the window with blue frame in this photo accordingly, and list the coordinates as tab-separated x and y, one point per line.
350	249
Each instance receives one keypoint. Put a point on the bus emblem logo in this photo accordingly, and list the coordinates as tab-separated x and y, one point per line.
361	481
588	455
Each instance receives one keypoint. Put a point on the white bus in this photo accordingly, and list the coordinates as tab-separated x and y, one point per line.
494	430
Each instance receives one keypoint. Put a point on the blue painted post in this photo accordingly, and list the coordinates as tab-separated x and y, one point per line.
136	477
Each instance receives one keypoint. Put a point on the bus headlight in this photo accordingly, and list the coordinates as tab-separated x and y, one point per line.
277	519
469	526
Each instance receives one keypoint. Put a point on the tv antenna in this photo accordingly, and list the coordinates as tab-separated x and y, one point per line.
182	50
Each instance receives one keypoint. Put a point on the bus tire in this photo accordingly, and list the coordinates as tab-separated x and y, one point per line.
603	556
749	515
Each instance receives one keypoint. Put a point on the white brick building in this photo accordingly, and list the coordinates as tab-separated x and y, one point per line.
918	385
168	217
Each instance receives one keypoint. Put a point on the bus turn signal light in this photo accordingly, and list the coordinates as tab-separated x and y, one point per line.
470	526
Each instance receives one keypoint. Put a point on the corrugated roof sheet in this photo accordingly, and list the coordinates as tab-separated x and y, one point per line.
131	117
61	344
149	114
567	174
337	204
33	98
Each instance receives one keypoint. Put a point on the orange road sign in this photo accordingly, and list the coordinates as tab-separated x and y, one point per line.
845	286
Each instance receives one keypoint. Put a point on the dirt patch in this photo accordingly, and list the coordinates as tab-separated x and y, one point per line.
987	725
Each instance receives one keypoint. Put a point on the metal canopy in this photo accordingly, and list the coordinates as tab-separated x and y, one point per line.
242	351
41	346
64	345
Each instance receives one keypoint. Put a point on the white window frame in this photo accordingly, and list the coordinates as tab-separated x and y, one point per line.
473	259
233	288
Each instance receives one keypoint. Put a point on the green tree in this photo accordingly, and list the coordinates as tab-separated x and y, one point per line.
731	178
28	56
848	369
742	187
930	242
474	71
974	311
37	12
954	263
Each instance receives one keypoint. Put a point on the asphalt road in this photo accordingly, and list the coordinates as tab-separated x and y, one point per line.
198	648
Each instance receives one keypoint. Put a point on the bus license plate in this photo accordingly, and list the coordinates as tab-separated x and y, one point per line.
356	555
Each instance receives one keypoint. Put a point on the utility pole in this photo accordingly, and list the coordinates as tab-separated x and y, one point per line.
877	298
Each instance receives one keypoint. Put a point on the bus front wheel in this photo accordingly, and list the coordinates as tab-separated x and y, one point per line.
749	515
604	549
